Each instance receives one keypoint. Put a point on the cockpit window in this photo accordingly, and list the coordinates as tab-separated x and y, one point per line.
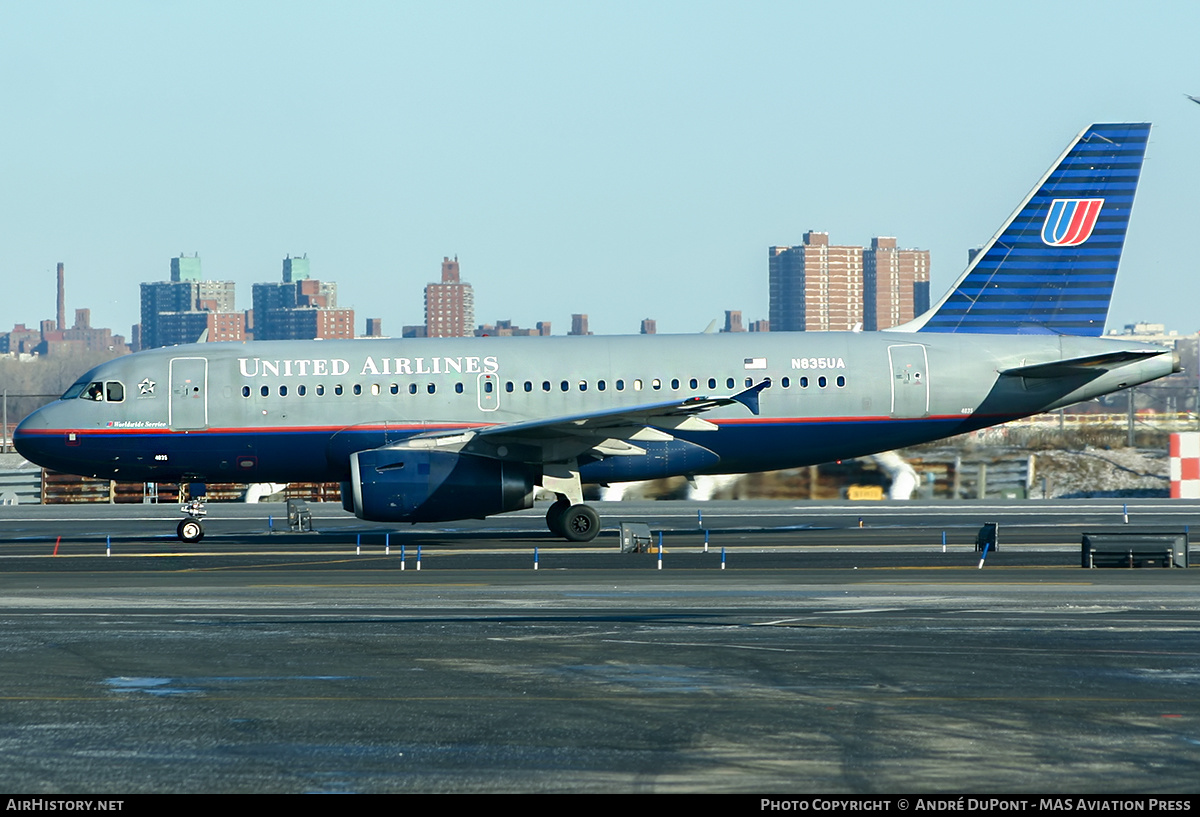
112	391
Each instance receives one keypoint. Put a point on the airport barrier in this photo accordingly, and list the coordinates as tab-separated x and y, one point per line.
58	488
19	486
1134	549
1169	421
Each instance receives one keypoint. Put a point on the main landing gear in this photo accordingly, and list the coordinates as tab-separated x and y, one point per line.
575	523
568	517
190	530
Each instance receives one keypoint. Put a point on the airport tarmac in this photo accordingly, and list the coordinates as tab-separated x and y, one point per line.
824	657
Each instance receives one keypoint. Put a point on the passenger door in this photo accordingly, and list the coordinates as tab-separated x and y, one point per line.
189	393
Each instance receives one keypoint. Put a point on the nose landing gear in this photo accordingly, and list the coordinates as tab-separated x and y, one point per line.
190	530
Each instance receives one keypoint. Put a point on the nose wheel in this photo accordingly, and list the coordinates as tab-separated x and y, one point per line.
190	531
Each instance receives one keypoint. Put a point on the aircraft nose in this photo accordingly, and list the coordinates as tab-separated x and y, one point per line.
30	436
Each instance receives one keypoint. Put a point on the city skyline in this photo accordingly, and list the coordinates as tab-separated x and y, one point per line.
577	158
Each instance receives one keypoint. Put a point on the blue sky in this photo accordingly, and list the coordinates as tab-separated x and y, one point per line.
626	160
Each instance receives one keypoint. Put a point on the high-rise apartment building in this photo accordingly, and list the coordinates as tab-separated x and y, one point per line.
895	284
181	309
579	325
449	305
816	286
300	307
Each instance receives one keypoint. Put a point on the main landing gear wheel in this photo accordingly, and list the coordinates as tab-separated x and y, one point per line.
190	531
580	524
575	523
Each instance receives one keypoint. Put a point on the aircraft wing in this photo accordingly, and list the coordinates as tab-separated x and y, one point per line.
612	432
1090	364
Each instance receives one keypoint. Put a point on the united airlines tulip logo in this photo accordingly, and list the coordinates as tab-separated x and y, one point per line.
1071	221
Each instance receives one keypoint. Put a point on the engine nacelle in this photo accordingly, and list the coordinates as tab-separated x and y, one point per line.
421	485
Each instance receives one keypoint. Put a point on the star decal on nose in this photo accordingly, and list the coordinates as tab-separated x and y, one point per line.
146	387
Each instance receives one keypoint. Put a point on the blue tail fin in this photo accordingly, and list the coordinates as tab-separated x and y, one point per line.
1052	266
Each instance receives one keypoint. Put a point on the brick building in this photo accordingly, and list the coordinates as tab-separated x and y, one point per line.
449	305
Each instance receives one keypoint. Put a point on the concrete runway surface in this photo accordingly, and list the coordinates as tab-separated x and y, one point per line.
825	657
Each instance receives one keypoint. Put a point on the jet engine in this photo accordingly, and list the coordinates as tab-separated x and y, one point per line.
426	485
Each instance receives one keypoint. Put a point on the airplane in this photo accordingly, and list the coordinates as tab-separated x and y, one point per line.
426	430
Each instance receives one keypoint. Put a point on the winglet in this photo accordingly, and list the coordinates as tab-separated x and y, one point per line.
749	397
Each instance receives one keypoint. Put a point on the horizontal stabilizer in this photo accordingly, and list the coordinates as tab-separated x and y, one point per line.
1091	364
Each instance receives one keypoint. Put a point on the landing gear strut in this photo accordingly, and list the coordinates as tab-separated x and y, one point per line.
568	517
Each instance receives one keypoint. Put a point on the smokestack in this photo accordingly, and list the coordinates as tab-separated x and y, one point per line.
62	300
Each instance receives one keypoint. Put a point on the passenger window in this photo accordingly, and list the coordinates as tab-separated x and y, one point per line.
637	385
600	386
283	391
712	382
656	384
675	385
694	383
357	390
565	386
749	382
431	388
786	382
729	383
583	385
804	382
458	388
264	391
545	385
822	381
114	392
528	386
508	386
841	381
620	385
320	390
338	389
302	390
412	388
395	388
375	389
245	391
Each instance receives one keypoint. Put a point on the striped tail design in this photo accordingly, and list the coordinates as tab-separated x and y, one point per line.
1052	266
